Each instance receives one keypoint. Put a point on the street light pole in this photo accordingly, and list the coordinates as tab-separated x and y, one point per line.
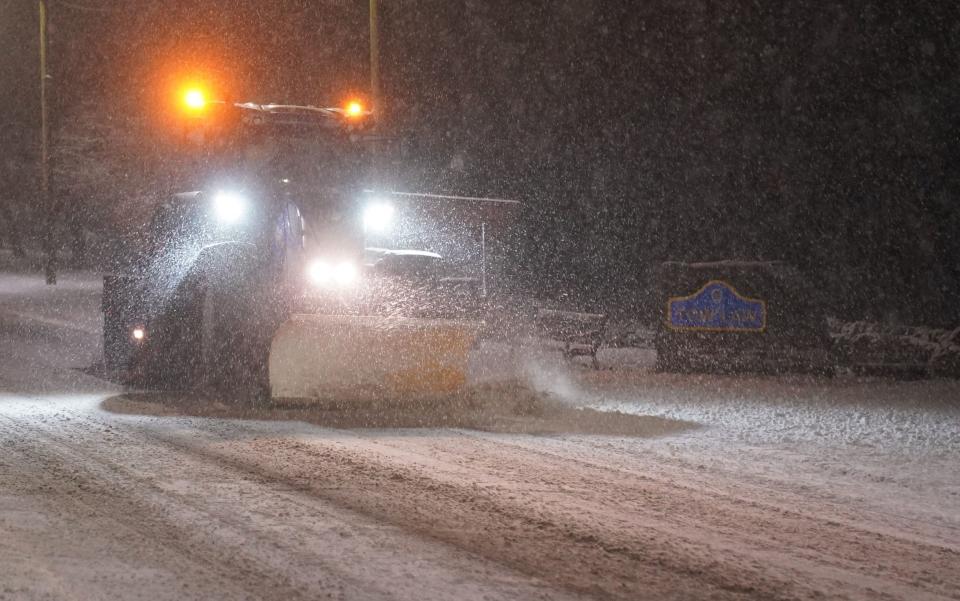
48	242
376	100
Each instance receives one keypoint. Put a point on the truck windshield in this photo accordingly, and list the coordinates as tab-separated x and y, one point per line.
322	166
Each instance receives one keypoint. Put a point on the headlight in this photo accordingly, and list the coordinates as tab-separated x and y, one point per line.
340	274
377	217
229	207
345	273
138	334
320	272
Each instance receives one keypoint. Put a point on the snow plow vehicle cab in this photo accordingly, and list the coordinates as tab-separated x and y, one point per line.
269	307
292	280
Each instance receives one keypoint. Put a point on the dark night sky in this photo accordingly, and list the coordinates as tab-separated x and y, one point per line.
824	134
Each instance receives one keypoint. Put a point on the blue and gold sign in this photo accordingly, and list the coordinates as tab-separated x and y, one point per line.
717	307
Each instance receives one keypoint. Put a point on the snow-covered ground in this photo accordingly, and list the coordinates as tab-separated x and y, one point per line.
885	445
549	481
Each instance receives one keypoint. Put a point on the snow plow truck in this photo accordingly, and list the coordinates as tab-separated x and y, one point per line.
280	275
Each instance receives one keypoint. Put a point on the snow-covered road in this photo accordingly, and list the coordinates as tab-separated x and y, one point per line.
709	487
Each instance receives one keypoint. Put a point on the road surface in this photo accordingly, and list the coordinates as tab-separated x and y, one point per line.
619	484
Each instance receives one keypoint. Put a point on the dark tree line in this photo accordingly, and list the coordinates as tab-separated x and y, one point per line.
820	134
823	135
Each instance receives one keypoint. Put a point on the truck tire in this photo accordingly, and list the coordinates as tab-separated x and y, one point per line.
227	353
233	312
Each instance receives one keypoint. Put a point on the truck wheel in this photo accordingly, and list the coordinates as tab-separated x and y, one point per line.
231	355
235	312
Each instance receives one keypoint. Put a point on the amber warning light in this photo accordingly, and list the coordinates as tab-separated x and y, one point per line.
354	109
194	99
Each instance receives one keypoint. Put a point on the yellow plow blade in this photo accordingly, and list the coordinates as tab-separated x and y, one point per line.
346	357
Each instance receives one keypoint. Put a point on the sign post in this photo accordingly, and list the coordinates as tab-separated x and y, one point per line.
50	252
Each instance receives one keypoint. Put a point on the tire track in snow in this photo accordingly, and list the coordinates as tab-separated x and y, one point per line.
407	568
